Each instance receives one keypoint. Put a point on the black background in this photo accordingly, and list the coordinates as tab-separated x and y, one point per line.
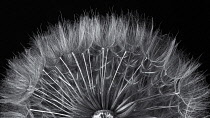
188	21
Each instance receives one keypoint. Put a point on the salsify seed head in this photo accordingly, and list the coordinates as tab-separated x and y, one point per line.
104	67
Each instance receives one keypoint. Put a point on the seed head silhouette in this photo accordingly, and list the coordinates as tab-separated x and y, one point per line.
104	67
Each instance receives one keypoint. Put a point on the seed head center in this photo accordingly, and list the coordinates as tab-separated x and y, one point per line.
103	114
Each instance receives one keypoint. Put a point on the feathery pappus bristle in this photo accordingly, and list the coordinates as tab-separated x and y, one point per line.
104	67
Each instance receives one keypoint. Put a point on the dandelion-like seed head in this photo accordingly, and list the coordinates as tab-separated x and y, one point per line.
105	67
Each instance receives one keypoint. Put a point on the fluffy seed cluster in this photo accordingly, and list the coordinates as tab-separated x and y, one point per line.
104	67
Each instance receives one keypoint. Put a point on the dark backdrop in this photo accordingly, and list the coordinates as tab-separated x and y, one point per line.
188	21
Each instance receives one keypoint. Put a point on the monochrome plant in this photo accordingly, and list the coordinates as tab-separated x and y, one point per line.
104	67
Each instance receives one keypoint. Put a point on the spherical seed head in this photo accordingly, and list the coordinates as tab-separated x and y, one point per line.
103	114
115	63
